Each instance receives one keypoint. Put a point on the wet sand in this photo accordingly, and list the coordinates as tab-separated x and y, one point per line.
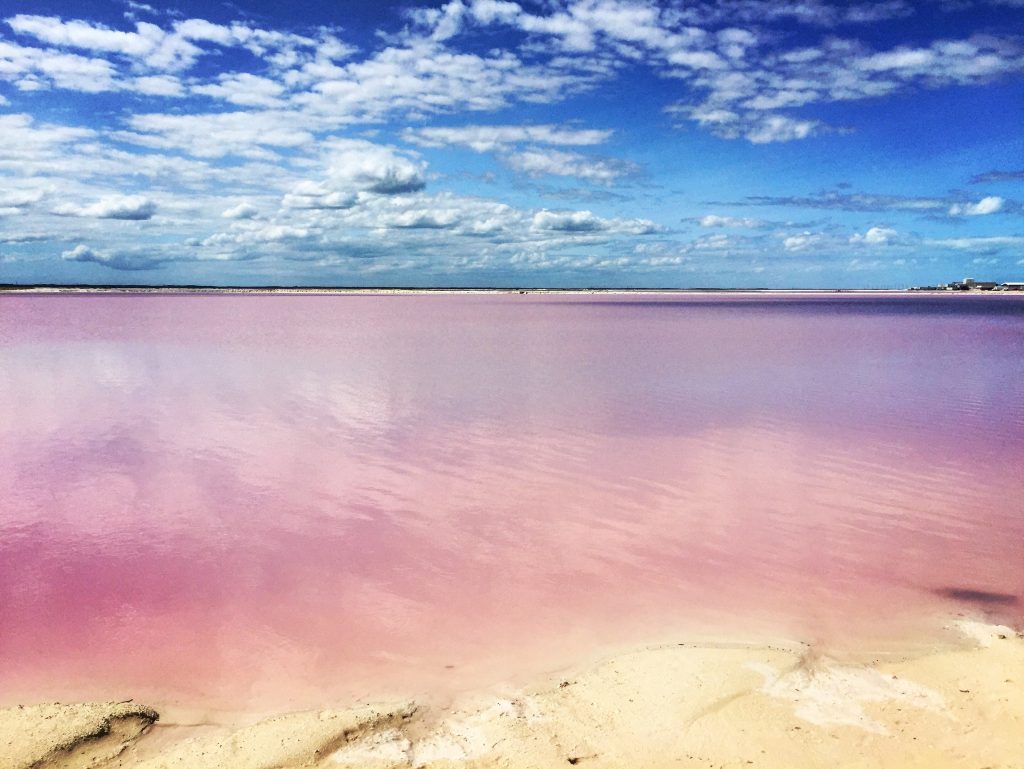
954	702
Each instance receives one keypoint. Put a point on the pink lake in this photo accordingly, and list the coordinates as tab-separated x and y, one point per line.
264	500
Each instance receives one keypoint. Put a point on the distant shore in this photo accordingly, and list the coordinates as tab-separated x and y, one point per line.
101	289
954	703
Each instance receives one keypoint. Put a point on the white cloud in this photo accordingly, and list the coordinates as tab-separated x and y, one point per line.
539	162
149	44
587	222
317	195
800	242
836	70
975	243
254	234
490	11
378	229
217	134
531	160
718	242
898	59
157	85
432	220
13	198
243	210
115	261
714	220
134	6
489	138
779	128
155	48
130	207
202	30
33	69
865	202
989	205
139	60
80	253
82	35
875	236
697	60
244	89
567	221
422	78
356	164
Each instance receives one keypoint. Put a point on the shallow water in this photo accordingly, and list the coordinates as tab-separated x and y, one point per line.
293	499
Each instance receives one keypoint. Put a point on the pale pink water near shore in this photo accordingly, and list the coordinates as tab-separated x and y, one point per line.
278	500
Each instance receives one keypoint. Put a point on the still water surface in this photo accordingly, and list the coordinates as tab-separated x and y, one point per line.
292	499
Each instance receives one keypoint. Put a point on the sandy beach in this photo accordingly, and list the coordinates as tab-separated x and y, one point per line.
954	702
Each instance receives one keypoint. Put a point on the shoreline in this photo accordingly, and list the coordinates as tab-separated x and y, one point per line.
949	703
419	291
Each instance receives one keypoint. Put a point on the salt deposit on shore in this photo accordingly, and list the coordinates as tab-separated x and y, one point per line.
959	704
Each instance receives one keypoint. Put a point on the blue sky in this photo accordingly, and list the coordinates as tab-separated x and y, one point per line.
488	142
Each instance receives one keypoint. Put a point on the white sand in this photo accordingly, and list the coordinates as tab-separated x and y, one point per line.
960	704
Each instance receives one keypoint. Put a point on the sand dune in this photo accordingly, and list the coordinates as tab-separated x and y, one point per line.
958	703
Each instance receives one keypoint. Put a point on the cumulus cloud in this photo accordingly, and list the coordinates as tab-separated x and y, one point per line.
875	236
129	207
587	222
801	241
431	220
317	195
93	37
779	128
472	233
737	95
567	221
32	69
157	85
244	89
717	242
148	44
533	160
247	239
951	205
738	87
460	215
978	243
243	210
151	46
714	220
14	198
540	162
217	134
489	138
115	261
989	205
357	164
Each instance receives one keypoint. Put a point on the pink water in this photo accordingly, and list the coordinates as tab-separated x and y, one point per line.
294	499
